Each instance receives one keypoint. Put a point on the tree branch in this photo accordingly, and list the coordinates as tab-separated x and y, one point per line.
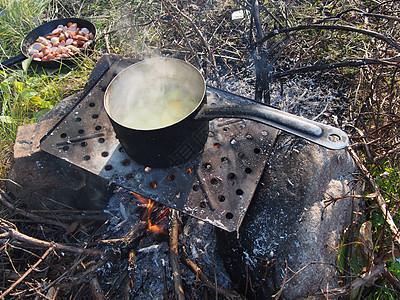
370	33
174	256
319	67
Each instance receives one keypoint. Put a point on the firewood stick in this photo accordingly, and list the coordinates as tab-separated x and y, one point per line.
13	233
174	256
130	274
165	293
81	277
207	282
137	230
96	290
6	292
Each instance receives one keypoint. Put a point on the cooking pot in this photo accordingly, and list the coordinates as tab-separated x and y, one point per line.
159	112
43	30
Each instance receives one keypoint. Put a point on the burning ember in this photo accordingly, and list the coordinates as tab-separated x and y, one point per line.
158	219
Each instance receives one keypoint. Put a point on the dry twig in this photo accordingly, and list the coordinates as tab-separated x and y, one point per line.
137	230
355	62
131	273
381	201
96	290
368	277
198	32
12	233
184	35
6	292
278	294
370	33
208	283
174	256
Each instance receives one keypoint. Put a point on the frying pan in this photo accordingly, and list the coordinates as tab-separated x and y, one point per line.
43	30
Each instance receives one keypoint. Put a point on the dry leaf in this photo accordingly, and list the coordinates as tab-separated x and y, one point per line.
366	241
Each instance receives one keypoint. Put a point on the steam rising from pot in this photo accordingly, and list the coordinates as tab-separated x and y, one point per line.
153	94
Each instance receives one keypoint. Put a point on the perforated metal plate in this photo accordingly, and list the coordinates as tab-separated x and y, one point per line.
217	187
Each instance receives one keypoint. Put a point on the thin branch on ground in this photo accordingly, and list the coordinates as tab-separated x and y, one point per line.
96	290
174	256
31	268
183	33
207	282
369	277
354	62
136	232
198	32
11	233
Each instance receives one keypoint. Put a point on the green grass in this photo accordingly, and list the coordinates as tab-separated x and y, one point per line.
16	20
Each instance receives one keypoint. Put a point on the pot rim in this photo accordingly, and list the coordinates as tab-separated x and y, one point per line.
153	61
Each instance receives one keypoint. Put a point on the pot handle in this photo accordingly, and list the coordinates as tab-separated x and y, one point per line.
321	134
13	60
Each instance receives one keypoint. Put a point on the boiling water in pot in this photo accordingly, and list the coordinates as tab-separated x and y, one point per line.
153	106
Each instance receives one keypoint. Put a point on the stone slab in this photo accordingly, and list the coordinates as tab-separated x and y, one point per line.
289	224
41	180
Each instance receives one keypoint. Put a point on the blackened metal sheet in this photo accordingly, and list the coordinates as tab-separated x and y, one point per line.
217	187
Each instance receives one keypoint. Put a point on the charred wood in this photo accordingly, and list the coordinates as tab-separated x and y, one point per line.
174	256
227	294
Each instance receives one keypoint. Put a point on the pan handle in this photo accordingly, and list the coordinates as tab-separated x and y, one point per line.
321	134
13	60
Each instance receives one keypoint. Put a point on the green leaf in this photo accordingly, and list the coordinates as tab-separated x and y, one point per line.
41	113
5	87
26	63
394	267
40	103
27	94
34	81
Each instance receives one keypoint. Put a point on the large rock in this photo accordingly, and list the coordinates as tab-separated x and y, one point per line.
41	180
291	224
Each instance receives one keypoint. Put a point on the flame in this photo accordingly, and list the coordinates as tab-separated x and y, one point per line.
153	185
148	203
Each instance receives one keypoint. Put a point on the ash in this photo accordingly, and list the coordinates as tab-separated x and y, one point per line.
320	98
199	241
150	275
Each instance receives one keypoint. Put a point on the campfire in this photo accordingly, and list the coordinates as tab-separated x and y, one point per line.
153	225
255	212
159	250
